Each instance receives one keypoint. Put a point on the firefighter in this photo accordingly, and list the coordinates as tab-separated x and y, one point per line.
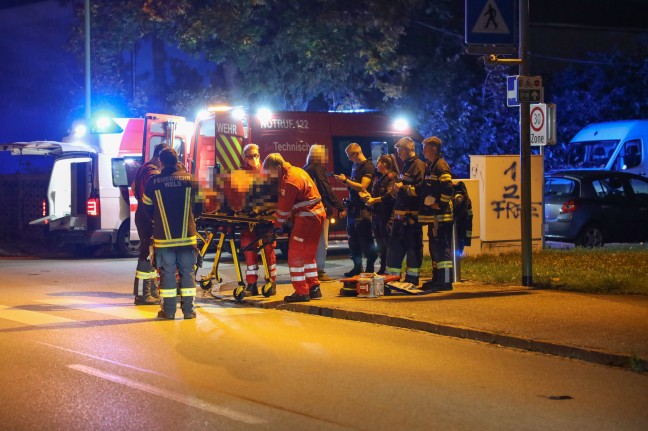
252	162
406	238
299	198
436	212
168	199
145	290
381	205
361	241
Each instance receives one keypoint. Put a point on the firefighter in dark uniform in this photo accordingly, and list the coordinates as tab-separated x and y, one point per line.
381	204
435	211
145	291
361	240
168	198
406	239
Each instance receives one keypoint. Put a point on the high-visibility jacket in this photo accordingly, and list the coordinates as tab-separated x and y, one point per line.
168	199
437	188
298	195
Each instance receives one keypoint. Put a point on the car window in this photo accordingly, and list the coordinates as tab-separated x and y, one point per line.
559	187
629	157
640	188
609	187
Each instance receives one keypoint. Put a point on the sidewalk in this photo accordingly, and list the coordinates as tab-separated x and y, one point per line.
603	329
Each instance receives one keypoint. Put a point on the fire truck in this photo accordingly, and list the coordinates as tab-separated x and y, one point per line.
89	202
221	133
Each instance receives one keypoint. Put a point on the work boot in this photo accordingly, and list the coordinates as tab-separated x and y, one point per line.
296	297
355	271
323	276
163	315
252	290
430	286
191	315
412	279
147	300
315	292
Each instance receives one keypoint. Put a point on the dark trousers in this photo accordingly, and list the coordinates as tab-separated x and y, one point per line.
379	228
405	241
361	242
440	245
144	227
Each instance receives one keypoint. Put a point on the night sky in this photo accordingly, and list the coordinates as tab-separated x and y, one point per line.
42	83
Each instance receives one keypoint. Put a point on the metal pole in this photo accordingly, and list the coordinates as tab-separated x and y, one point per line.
456	258
525	154
88	89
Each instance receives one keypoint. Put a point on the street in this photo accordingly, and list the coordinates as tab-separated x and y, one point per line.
77	355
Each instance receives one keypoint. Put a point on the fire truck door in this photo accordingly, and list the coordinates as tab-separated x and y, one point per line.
165	129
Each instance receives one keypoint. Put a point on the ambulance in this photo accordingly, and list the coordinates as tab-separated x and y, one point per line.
89	202
221	133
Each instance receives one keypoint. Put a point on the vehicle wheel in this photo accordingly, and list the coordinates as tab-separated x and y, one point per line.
206	284
239	293
591	236
269	289
124	246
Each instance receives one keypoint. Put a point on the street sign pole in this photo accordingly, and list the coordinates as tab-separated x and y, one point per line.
525	153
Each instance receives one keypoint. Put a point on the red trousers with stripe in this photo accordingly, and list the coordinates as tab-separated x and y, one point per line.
302	249
252	258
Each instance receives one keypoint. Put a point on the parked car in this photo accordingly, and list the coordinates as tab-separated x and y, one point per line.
593	207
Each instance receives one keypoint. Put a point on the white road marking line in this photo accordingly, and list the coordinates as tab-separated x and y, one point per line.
170	395
28	317
125	311
98	358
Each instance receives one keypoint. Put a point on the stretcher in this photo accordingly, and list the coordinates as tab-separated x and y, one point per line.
223	226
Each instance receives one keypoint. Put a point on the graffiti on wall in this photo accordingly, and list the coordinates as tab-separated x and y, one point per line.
510	206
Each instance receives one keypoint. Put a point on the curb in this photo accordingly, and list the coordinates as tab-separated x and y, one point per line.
561	350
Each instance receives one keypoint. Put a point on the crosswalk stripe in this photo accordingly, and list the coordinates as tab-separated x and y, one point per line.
126	311
123	312
28	317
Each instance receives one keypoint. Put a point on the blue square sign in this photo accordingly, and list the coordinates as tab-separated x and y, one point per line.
512	91
490	22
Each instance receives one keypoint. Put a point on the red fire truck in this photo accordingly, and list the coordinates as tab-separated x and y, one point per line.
221	133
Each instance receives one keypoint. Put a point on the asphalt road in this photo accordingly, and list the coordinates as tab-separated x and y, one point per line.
76	354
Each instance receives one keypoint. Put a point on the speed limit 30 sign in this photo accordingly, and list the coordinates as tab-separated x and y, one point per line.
538	124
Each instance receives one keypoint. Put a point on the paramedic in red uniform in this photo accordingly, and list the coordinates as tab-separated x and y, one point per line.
145	291
252	162
168	199
299	198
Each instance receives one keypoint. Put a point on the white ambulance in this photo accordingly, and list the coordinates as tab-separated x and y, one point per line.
89	202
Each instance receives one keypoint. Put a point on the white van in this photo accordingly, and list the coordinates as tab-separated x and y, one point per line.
613	146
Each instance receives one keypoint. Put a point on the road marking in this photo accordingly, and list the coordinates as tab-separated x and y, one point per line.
28	317
129	312
126	311
99	358
170	395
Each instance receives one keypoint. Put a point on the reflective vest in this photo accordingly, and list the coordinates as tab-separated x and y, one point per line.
298	195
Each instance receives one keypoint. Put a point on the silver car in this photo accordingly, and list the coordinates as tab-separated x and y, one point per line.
593	207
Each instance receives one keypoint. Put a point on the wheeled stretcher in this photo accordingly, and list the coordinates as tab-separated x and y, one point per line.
223	226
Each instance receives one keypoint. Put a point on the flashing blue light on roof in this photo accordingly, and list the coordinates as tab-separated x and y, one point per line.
80	131
354	111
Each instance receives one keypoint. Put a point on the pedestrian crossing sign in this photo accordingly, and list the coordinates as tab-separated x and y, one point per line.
490	22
